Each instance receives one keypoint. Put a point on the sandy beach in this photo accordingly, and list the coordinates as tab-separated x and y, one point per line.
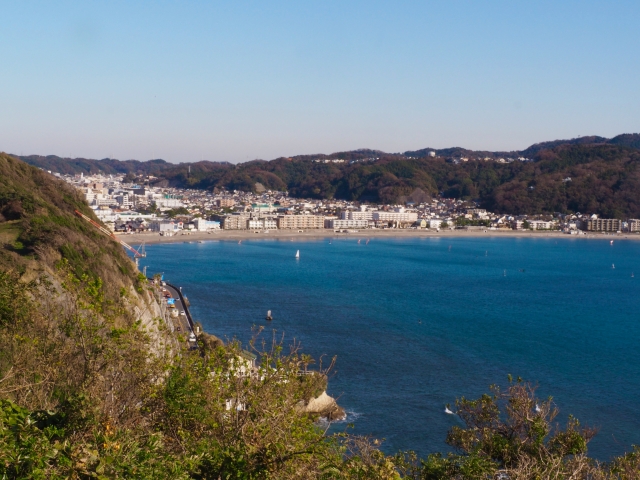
155	238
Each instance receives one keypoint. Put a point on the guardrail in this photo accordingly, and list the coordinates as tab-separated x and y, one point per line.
186	309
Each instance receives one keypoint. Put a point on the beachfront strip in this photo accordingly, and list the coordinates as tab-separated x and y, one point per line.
127	207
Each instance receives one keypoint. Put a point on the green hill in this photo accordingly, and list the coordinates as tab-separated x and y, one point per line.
37	223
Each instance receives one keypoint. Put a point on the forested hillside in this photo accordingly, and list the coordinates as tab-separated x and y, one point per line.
603	176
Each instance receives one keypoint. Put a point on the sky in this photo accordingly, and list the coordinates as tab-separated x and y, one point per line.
239	80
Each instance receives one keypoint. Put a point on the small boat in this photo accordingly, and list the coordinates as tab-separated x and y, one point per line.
504	273
239	242
269	317
611	242
538	409
613	265
632	275
447	411
298	254
358	241
367	241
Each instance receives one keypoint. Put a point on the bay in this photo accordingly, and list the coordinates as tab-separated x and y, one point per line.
417	322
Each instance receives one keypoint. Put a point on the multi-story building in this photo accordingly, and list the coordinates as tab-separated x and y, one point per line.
168	201
346	224
235	222
634	225
540	225
300	221
124	200
357	215
604	225
225	202
165	226
270	223
399	216
203	225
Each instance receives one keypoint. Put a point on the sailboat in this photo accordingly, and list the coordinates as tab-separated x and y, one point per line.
269	317
632	275
298	254
367	241
358	241
611	242
613	265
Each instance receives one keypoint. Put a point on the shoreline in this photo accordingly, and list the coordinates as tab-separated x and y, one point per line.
155	238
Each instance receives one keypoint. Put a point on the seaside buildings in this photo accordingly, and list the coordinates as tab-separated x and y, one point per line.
289	222
604	225
128	207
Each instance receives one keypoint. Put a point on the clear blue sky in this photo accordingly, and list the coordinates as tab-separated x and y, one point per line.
241	80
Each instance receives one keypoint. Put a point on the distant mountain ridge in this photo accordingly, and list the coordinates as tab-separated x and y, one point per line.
587	174
114	166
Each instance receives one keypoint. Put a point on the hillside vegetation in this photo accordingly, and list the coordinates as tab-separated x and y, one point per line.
603	173
92	385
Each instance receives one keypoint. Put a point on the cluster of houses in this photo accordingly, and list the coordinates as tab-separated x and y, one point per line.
127	207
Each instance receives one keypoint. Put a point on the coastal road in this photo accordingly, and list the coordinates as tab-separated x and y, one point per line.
181	324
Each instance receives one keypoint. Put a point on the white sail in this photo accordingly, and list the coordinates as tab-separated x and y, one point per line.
298	254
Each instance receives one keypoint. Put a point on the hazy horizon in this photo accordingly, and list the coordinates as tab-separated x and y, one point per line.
237	81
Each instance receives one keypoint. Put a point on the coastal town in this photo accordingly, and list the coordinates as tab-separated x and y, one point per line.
134	208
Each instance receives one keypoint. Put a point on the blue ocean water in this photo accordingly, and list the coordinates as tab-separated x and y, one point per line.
416	323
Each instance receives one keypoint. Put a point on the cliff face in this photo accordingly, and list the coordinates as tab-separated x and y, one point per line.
75	314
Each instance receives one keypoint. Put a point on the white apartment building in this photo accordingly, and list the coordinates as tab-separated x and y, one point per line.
540	225
356	215
203	225
262	223
399	216
341	224
165	226
270	223
634	225
168	202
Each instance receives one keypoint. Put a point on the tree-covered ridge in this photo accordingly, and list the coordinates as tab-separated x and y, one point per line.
602	179
603	176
